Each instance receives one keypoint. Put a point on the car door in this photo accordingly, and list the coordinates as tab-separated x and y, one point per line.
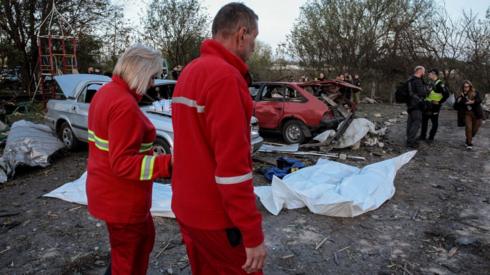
79	118
299	107
269	106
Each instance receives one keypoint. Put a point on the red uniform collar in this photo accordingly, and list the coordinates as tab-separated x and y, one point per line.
118	80
213	47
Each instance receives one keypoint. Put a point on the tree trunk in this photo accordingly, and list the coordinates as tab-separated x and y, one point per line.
373	90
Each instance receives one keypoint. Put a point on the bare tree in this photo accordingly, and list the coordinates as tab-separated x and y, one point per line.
477	49
353	34
116	35
373	37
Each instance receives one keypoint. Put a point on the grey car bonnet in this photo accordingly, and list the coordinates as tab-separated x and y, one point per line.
68	83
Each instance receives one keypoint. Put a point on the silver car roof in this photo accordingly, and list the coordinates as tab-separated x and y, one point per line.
164	81
69	82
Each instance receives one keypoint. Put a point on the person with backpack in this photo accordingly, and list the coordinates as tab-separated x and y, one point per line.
470	111
436	97
417	92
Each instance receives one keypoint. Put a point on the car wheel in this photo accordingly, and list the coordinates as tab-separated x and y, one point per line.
292	132
160	146
66	135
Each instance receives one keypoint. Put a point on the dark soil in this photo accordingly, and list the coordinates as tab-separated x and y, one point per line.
438	222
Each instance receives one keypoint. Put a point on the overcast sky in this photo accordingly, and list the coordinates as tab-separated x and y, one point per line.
276	17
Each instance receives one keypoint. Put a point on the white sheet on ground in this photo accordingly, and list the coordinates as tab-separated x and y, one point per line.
334	189
75	192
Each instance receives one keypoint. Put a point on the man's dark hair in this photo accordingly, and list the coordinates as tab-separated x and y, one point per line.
434	71
231	17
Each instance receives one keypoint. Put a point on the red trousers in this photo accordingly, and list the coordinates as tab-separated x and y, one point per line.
210	252
131	245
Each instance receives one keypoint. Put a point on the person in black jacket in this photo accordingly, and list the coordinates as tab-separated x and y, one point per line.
415	105
469	107
436	97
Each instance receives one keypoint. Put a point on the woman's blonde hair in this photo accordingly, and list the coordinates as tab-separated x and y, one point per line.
138	65
471	92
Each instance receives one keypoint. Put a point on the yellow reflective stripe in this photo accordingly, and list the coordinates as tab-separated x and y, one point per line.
100	143
147	165
103	144
91	136
146	147
433	96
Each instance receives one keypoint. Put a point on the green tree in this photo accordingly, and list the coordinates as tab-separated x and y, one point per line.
176	27
261	61
19	20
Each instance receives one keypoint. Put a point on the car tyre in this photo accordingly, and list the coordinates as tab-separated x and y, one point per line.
67	136
161	146
293	132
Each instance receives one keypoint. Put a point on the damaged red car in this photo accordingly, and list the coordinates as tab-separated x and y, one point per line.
299	109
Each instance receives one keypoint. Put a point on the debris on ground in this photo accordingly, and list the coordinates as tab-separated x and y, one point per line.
341	156
27	144
352	136
334	189
284	166
278	148
368	100
486	104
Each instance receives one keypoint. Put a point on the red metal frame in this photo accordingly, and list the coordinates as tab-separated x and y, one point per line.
53	49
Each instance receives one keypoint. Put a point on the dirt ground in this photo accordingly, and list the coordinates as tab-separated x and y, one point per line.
438	222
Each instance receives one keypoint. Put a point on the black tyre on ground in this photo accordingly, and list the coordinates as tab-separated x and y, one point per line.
160	146
65	134
293	131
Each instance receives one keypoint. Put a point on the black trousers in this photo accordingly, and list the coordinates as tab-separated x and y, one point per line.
413	125
433	116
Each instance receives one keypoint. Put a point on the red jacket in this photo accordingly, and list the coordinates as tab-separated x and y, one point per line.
121	166
212	174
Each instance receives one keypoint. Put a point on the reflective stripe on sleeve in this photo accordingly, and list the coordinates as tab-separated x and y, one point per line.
146	147
100	143
189	103
147	165
234	180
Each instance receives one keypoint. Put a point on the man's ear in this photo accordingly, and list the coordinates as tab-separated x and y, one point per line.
241	33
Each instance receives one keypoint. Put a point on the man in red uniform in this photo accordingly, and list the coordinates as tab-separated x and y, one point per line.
213	197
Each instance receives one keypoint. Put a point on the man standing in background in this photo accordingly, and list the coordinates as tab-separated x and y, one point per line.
415	105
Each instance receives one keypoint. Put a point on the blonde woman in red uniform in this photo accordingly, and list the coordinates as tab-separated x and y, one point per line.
121	163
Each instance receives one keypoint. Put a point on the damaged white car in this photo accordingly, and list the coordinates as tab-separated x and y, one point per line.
68	116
